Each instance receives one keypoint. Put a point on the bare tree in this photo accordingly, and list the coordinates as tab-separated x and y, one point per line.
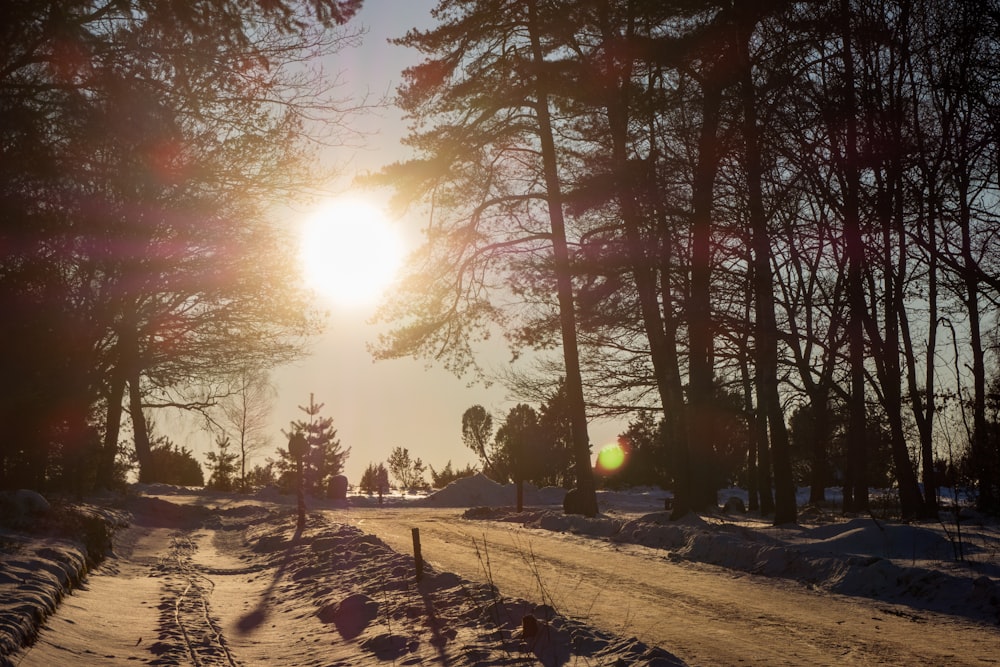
245	415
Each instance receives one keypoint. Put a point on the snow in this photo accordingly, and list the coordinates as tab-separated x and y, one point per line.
206	578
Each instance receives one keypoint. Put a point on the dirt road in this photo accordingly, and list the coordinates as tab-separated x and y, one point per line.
702	614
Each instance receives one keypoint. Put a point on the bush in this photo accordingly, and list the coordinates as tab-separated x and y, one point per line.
439	480
170	464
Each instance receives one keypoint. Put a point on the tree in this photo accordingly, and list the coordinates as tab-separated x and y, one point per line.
447	475
375	479
477	434
517	439
409	473
766	331
646	463
223	465
172	464
259	477
136	221
246	412
497	178
553	453
325	458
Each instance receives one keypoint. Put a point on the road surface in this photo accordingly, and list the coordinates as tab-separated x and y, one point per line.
703	614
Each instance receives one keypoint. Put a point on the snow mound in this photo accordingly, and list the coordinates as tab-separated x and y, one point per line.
863	536
479	491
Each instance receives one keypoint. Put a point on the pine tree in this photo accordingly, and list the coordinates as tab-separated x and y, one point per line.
325	458
375	479
222	465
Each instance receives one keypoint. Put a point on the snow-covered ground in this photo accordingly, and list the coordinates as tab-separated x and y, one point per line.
236	584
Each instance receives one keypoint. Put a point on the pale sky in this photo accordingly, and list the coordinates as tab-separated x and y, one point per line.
377	406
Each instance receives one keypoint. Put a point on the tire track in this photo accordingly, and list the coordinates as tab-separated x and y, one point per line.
186	616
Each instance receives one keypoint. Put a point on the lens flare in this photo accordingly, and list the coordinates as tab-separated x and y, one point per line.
611	458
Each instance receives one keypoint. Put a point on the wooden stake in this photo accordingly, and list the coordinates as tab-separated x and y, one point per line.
416	553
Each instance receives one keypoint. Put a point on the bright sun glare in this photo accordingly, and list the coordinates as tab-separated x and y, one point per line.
349	252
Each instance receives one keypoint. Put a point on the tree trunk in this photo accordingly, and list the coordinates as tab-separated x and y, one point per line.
755	493
820	413
694	488
112	428
564	283
764	478
922	401
139	428
766	334
855	482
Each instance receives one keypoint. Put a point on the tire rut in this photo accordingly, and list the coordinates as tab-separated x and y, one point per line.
188	629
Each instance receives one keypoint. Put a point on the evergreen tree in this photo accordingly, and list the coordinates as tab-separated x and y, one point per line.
477	434
375	479
447	475
555	465
325	458
259	477
222	465
518	438
173	464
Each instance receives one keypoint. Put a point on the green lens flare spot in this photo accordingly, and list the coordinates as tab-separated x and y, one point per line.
611	457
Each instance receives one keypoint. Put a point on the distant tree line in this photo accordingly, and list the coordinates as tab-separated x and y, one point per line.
142	145
528	445
786	212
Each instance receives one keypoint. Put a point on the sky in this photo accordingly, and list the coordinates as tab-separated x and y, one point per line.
377	406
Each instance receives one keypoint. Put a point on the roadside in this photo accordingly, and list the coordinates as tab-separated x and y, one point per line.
45	552
705	614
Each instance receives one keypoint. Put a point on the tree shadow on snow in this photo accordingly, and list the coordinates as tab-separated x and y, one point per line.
255	618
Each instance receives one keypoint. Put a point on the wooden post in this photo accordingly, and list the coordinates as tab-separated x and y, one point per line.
417	557
301	495
298	447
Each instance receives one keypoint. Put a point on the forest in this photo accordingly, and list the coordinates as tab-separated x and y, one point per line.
768	231
783	209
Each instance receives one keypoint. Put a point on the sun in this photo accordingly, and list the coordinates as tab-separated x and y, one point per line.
349	252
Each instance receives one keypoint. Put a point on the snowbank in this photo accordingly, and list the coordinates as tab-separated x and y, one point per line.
479	490
45	552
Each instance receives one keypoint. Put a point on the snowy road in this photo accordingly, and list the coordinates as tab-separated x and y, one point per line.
227	583
211	580
704	615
